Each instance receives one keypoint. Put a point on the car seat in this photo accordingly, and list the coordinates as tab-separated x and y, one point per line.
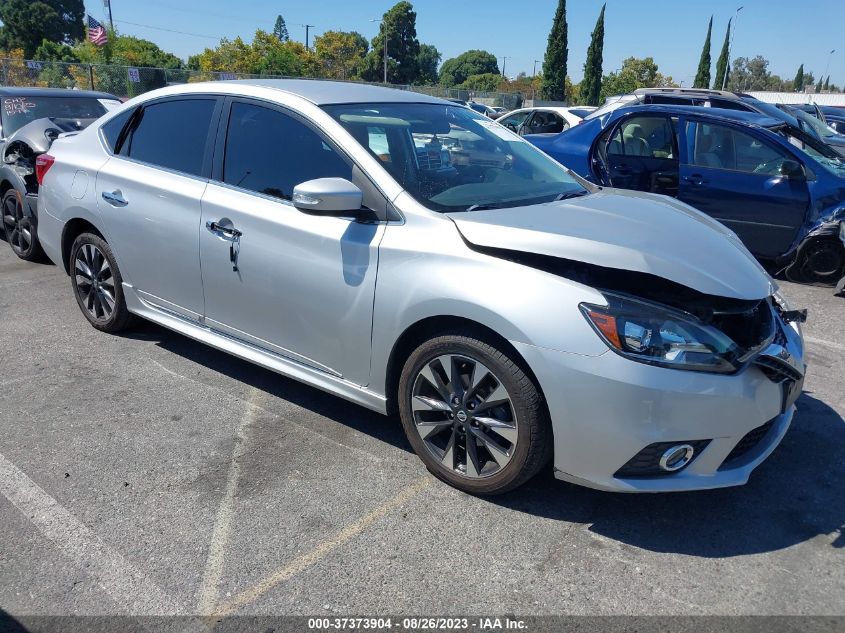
633	138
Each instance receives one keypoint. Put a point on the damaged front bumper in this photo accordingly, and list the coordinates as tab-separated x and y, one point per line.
608	410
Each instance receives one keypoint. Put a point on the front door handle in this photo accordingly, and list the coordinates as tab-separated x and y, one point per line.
695	179
115	198
224	231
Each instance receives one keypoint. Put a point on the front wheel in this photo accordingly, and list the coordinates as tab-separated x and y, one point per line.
473	415
820	261
97	284
19	228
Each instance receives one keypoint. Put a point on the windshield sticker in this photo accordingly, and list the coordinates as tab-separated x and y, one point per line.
17	105
501	131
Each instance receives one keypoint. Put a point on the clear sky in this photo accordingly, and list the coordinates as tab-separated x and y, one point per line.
787	32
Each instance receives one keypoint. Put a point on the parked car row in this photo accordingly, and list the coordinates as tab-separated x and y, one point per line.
771	177
413	256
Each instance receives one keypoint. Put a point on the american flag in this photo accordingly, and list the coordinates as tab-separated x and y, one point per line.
97	32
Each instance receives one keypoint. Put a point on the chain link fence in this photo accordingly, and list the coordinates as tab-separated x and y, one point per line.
129	81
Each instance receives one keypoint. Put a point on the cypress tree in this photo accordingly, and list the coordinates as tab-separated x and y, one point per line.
798	82
702	77
554	64
280	30
826	84
722	63
591	85
819	85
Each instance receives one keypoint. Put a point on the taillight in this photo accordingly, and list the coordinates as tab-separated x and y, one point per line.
42	166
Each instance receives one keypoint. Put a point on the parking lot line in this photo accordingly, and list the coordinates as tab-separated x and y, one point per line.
821	341
210	587
125	584
307	560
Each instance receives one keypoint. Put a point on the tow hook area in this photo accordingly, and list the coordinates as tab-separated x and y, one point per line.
795	316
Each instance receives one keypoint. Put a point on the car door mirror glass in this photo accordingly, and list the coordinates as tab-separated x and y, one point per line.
328	196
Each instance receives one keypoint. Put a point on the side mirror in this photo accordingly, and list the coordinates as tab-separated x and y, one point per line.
792	170
328	196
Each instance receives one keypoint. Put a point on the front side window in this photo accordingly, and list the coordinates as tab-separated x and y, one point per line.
171	134
270	152
452	159
648	137
722	147
546	123
513	121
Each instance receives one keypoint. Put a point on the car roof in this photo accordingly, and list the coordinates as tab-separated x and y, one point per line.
321	92
689	92
25	91
740	116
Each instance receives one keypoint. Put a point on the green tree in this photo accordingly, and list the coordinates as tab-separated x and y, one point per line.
456	70
55	52
557	52
340	54
280	30
485	82
722	63
399	26
634	73
27	23
702	76
427	62
590	91
819	85
798	82
826	86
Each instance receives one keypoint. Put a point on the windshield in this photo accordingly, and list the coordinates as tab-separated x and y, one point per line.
817	150
611	104
450	158
817	127
18	111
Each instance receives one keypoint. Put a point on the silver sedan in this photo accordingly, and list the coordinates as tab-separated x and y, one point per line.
412	256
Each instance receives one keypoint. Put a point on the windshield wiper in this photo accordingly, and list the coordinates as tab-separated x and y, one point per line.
482	207
570	194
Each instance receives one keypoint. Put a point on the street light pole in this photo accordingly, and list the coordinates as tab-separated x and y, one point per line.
827	68
504	61
107	5
383	30
730	50
536	61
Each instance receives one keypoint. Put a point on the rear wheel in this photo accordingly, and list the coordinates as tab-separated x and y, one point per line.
19	228
97	284
473	415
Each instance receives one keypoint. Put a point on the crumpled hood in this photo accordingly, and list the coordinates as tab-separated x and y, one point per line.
629	231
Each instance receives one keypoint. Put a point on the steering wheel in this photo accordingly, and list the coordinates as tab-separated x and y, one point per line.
769	167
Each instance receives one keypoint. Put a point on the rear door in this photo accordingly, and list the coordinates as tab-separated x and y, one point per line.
641	153
733	174
149	194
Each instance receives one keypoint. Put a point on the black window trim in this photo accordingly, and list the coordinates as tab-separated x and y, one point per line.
205	172
389	214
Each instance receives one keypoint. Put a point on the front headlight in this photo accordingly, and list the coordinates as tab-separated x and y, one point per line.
658	335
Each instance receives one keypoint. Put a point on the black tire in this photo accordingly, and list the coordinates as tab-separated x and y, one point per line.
108	316
533	446
819	261
17	225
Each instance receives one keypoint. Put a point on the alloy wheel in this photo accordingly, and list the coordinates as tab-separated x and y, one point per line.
94	281
464	415
16	224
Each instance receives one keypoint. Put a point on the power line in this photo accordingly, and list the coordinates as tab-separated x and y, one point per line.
158	28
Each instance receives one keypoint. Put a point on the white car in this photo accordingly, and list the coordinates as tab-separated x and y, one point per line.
544	120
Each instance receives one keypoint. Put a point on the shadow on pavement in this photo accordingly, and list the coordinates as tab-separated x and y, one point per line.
792	497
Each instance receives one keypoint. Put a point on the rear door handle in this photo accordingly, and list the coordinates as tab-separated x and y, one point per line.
115	198
695	179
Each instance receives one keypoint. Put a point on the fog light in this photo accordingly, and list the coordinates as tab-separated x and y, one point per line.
676	457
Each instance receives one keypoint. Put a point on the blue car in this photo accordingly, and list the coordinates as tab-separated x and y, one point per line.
779	189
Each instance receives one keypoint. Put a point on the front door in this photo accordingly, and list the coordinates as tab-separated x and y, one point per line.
641	153
735	176
298	285
149	198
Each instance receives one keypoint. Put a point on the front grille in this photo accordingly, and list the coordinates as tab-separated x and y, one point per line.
748	442
646	463
776	370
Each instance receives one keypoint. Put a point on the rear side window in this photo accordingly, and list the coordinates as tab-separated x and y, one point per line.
112	129
270	152
649	137
172	134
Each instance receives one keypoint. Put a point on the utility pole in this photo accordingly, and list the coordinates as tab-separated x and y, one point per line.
307	28
504	61
536	61
383	30
730	50
107	5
